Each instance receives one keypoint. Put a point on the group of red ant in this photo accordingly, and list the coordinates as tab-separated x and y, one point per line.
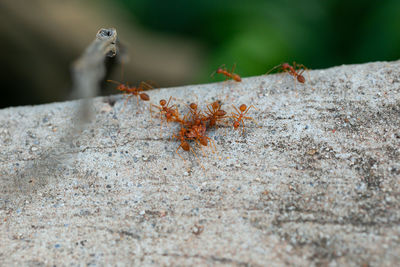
194	125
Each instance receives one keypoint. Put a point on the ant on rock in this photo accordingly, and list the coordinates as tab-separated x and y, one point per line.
183	137
239	116
229	74
296	71
133	91
168	113
214	113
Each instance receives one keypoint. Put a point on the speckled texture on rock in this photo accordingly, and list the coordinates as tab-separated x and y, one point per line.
315	183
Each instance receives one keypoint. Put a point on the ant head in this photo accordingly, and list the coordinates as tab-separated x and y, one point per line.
144	97
193	106
122	87
236	124
285	65
236	78
301	79
221	68
216	104
243	107
163	102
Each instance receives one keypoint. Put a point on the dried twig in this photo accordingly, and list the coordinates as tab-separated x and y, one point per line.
87	73
89	69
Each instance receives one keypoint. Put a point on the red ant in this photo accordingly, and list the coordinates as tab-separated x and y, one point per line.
239	116
133	91
184	144
197	133
195	115
197	125
214	115
292	70
170	112
231	75
182	137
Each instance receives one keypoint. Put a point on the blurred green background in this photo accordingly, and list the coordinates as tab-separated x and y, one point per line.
182	42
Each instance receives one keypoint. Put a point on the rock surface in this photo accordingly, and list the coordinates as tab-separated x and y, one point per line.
317	182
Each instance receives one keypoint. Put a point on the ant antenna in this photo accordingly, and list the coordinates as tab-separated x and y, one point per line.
233	68
112	81
274	68
214	72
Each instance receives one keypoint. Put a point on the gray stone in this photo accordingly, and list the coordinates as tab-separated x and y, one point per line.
316	182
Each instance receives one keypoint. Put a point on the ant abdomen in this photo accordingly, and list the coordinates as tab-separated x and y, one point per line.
220	113
301	79
203	140
144	97
185	146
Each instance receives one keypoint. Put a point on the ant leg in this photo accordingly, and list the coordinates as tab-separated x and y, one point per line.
198	160
161	122
222	66
213	74
274	68
199	144
304	68
209	111
168	101
214	146
112	81
153	105
137	99
227	77
225	125
235	118
250	118
308	74
233	68
295	75
146	85
151	113
301	66
129	96
247	110
242	127
238	112
126	101
218	155
176	151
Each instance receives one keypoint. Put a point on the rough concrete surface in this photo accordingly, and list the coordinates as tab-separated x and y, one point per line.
315	183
